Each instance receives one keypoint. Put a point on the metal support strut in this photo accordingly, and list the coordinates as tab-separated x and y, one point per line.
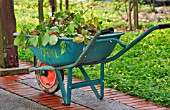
66	93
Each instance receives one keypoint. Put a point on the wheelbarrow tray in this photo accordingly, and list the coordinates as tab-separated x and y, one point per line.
52	55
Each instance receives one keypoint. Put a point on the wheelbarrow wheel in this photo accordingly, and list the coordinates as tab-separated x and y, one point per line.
47	80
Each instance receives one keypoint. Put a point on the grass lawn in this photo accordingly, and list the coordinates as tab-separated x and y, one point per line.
143	71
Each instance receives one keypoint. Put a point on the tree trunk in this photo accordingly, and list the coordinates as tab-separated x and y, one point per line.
129	15
136	26
8	52
61	3
53	5
40	10
67	3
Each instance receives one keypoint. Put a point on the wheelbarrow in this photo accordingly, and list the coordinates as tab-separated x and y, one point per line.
49	71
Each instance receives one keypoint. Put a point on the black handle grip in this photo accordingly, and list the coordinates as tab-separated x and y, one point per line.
163	26
107	31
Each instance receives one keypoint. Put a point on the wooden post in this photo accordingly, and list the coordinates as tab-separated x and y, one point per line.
136	26
8	52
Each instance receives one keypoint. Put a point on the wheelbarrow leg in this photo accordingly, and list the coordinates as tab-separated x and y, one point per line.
101	81
65	95
69	85
88	79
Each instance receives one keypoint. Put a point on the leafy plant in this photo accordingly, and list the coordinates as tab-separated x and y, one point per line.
25	54
62	24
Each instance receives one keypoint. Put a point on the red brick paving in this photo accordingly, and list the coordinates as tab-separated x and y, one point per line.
10	83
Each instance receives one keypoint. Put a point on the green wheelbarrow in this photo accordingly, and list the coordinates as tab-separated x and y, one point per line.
49	68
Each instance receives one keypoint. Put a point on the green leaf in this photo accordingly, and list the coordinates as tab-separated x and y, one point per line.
84	32
40	39
19	39
45	38
81	12
61	19
41	28
63	45
70	28
95	20
68	12
76	25
58	14
77	18
53	39
55	29
82	20
33	40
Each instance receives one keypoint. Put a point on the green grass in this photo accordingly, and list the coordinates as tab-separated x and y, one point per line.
143	71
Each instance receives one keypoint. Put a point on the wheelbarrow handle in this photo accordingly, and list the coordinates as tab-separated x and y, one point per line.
107	31
134	42
163	26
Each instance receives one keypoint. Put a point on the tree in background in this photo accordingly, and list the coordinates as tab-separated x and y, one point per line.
54	2
8	52
53	5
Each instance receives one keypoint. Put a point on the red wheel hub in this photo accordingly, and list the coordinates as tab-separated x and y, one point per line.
48	80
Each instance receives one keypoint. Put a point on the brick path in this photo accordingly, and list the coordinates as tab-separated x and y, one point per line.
11	84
